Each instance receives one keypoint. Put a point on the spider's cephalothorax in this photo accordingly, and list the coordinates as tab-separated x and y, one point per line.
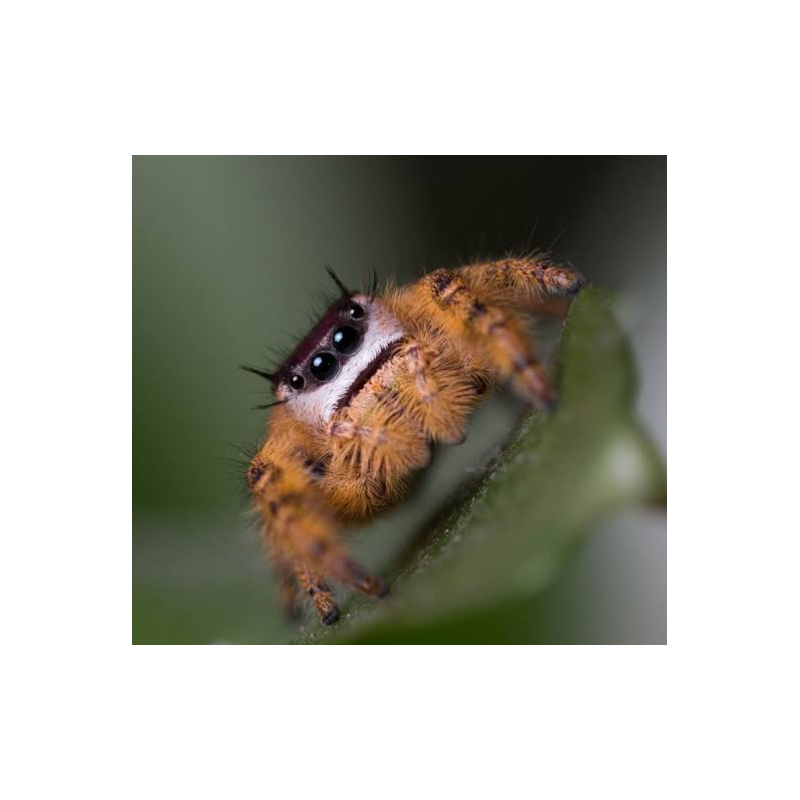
376	382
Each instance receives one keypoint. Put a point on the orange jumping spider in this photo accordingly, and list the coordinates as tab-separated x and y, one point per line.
364	396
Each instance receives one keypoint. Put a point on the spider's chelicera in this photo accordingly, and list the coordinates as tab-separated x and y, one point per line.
371	388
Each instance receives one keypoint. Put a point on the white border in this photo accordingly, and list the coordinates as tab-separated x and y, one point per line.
89	84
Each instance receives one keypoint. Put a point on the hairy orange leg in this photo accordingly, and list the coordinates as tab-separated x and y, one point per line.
498	332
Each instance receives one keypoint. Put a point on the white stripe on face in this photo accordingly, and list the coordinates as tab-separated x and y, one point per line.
316	405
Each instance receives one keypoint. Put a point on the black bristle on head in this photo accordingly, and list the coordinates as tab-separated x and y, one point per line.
374	287
342	288
270	376
268	405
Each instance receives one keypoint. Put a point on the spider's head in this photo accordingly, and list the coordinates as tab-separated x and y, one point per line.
349	343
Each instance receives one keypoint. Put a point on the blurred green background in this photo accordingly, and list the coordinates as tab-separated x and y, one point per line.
227	255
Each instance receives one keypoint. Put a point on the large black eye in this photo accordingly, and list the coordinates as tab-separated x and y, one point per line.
346	340
297	382
324	366
355	311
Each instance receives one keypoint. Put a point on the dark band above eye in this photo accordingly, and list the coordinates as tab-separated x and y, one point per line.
324	366
346	340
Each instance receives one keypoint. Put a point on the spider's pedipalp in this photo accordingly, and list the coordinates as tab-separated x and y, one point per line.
439	394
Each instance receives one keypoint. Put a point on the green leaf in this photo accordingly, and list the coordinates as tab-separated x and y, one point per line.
477	569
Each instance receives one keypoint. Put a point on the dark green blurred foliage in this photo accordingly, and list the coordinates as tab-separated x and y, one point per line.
228	253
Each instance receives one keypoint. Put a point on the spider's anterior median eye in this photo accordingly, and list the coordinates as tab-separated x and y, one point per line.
297	382
355	311
346	340
324	366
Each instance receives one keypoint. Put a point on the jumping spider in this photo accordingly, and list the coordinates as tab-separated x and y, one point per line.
364	396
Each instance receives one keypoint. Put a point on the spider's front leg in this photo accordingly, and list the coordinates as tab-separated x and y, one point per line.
302	528
534	282
498	332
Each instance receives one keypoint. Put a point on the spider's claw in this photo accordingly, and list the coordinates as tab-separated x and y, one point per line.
331	617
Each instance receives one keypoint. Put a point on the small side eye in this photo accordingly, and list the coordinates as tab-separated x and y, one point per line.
324	366
355	311
346	340
297	382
